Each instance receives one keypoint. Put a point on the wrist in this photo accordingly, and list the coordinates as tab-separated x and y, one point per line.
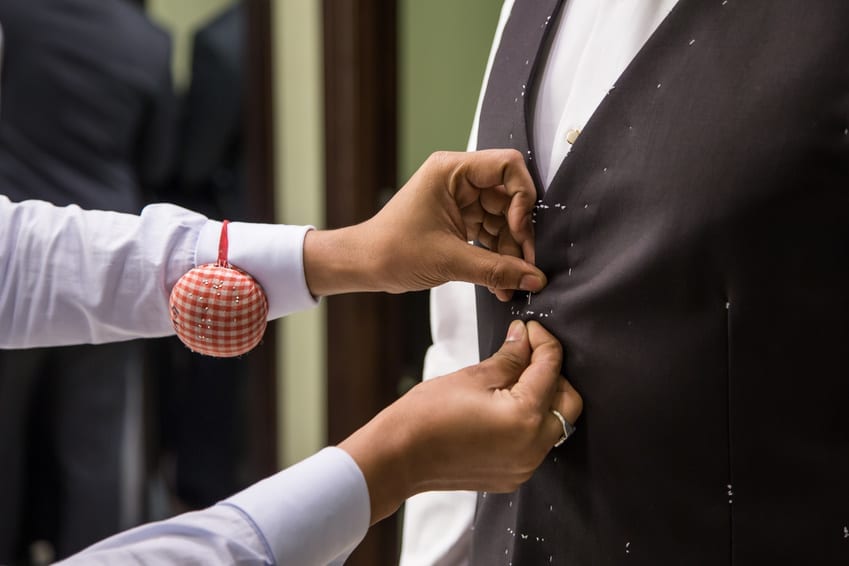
382	450
338	261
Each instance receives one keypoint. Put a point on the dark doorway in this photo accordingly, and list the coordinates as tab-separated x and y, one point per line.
365	331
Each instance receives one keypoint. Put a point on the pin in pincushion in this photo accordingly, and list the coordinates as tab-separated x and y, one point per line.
217	309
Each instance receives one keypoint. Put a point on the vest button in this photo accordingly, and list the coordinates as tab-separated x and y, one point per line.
572	136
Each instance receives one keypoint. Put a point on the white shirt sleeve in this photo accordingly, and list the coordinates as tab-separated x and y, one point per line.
73	276
437	524
313	513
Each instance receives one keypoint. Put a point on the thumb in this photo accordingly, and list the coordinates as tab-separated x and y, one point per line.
540	378
495	271
508	363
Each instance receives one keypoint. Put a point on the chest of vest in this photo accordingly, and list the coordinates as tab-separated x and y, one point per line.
696	241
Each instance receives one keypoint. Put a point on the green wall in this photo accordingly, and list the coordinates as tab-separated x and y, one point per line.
443	48
299	178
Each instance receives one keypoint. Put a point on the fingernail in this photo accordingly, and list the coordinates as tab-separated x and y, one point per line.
517	329
530	283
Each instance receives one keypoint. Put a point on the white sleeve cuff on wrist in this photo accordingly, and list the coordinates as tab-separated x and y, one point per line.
272	253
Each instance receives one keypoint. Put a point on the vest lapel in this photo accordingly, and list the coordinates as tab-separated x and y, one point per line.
627	110
508	106
507	110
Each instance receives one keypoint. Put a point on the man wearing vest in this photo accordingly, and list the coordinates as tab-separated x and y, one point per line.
692	165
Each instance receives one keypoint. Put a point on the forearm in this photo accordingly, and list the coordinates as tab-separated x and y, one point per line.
72	276
381	449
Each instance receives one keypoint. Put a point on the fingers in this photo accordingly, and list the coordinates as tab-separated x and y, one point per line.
492	270
521	227
487	216
546	387
495	201
506	246
493	224
568	401
500	167
501	174
452	199
473	216
569	404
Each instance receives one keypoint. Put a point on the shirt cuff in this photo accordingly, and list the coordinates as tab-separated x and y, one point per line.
314	512
272	253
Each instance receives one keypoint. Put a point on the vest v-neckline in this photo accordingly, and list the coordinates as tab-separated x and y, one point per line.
622	84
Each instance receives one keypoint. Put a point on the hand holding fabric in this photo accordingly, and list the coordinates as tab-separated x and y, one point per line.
484	428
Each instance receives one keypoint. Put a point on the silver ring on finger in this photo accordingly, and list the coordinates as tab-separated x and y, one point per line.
568	429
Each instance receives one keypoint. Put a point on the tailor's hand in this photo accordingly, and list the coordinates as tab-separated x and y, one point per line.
420	238
484	428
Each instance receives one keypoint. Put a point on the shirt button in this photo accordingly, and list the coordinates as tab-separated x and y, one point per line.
572	136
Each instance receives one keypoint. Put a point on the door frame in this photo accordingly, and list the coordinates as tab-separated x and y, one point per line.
363	330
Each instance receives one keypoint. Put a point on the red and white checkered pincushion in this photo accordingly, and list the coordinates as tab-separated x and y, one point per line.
218	309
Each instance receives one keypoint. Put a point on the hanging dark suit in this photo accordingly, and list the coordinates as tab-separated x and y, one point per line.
696	241
87	118
203	398
209	171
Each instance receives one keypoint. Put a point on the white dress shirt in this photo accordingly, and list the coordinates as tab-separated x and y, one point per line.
72	276
69	276
594	41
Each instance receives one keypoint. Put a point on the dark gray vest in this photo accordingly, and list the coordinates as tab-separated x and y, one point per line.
696	241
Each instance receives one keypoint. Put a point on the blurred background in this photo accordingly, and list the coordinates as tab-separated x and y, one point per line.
292	111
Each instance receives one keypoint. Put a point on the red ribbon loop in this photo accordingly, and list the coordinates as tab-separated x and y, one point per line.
223	246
